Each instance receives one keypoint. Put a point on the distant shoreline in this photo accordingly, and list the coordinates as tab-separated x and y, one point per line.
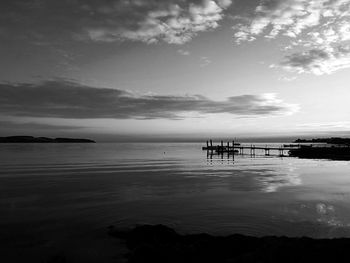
31	139
333	140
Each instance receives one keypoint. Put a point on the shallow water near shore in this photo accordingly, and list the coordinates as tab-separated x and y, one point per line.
52	195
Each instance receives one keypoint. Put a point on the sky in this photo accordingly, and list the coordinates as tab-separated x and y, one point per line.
174	69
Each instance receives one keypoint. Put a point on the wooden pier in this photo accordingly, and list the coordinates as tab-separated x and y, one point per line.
242	149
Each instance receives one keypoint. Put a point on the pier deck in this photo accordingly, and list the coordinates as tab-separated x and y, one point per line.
239	148
323	151
225	148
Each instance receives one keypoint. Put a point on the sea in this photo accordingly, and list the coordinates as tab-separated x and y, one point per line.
52	195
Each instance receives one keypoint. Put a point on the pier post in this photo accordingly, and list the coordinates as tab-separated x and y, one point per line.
233	150
207	145
267	150
280	152
228	147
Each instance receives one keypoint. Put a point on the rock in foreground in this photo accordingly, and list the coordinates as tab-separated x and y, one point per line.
162	244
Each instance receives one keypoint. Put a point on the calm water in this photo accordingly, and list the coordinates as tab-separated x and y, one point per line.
51	192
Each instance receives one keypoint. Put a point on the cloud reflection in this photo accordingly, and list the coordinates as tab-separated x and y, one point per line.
272	180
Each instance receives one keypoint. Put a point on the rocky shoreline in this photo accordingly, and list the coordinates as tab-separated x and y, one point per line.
159	243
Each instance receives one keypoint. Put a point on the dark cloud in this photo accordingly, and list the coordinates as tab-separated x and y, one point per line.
318	61
64	99
305	59
172	21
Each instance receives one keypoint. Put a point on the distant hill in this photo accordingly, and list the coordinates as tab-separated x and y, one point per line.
31	139
333	140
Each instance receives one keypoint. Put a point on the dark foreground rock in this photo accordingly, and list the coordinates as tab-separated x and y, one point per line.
31	139
162	244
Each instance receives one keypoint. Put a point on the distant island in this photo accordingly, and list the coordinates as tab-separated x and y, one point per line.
333	140
31	139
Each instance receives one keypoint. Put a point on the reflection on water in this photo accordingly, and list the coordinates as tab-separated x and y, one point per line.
327	214
270	180
54	188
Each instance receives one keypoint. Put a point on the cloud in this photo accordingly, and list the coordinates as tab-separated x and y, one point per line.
286	78
318	61
204	62
174	22
149	21
63	99
326	125
316	29
183	52
292	17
